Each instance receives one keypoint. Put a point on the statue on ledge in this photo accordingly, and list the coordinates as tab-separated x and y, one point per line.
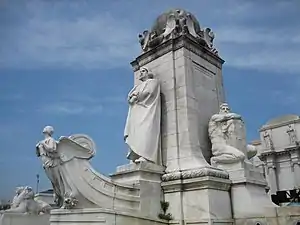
221	131
142	130
47	151
24	202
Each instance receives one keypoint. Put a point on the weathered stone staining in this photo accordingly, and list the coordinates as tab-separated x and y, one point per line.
142	130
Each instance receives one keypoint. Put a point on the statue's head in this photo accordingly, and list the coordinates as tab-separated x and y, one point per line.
19	190
224	108
145	74
29	193
48	130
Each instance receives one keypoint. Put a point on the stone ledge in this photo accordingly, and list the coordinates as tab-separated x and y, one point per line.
244	172
186	41
141	166
99	215
198	183
200	172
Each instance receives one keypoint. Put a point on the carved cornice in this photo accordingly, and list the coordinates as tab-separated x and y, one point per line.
277	125
187	41
201	172
286	151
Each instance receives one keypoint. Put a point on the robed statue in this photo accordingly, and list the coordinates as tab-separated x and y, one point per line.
142	130
47	151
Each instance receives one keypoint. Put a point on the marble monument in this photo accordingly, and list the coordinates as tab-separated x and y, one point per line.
189	160
175	108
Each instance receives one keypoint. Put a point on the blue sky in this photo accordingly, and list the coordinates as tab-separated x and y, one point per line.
66	64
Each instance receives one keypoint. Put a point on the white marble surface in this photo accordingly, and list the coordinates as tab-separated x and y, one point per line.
142	130
204	200
281	159
147	178
101	216
187	82
22	219
24	202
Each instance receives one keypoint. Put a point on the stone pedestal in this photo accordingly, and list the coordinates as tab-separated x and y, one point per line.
198	196
248	191
24	219
147	177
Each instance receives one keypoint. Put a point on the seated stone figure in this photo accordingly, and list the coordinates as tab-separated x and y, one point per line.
24	202
220	133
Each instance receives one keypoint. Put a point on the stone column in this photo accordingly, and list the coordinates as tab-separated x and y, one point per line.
192	90
271	173
295	166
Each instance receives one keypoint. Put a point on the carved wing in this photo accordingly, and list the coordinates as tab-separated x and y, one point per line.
85	141
170	26
76	146
190	26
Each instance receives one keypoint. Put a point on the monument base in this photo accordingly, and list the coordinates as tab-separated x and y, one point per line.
24	219
147	177
199	196
248	191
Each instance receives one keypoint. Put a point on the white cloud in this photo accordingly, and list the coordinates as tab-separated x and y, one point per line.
89	41
71	108
80	104
50	37
260	49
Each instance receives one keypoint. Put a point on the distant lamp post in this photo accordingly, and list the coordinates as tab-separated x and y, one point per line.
37	183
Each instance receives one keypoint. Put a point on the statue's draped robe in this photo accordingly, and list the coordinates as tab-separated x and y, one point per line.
51	163
143	122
